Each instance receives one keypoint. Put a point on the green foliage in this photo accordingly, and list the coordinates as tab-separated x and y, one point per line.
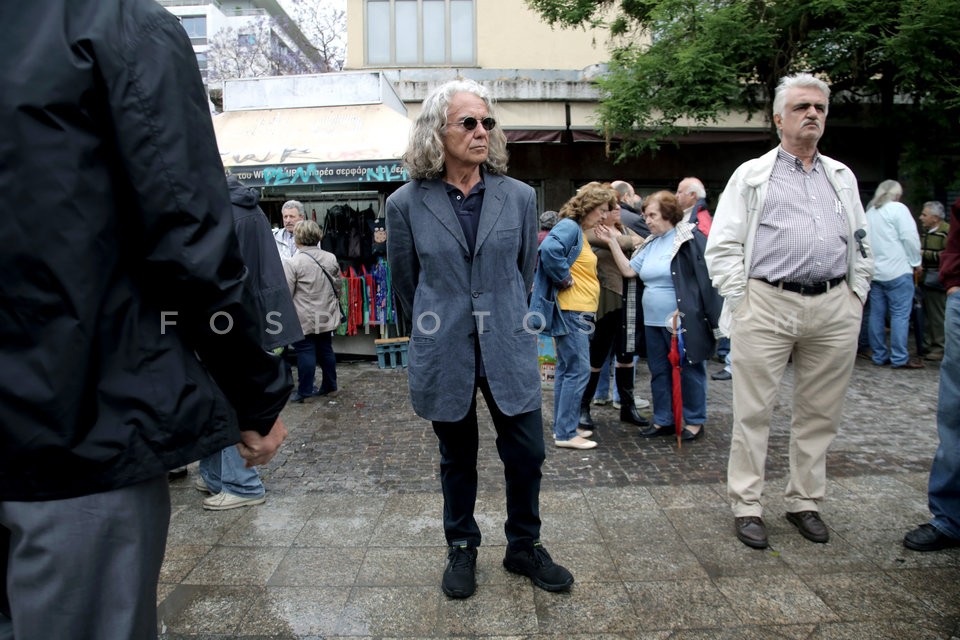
890	62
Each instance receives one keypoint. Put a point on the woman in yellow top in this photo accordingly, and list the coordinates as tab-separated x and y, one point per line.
565	297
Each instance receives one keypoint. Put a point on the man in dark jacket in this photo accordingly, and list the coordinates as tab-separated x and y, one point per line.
128	339
231	483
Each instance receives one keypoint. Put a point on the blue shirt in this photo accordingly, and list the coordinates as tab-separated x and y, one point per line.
894	240
652	265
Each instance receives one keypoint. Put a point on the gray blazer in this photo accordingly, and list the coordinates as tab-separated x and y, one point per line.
449	297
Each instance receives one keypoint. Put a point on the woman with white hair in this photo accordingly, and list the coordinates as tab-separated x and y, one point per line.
896	252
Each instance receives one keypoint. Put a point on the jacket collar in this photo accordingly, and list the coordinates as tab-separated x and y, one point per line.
438	203
684	232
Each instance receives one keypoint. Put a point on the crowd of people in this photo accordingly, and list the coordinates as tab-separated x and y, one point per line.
114	369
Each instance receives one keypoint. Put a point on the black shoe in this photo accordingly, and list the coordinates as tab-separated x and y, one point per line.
723	374
752	532
536	564
810	525
176	474
296	397
459	578
686	435
586	420
654	431
628	413
927	537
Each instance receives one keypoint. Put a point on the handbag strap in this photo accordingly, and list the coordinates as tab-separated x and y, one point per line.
329	277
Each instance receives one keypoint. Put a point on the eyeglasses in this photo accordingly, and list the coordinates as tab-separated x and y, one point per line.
470	123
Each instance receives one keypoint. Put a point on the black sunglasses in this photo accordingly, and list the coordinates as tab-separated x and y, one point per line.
470	123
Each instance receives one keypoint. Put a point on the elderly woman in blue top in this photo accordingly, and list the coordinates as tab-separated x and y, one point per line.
670	264
566	292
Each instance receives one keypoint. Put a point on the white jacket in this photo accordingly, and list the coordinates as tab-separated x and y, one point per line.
737	217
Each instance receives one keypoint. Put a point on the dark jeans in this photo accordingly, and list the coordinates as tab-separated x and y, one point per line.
521	448
313	349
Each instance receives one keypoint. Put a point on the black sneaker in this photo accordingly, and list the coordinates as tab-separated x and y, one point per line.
536	564
459	580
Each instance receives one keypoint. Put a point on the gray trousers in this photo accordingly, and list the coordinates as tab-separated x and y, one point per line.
84	568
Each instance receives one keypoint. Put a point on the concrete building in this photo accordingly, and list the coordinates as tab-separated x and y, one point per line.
203	19
543	80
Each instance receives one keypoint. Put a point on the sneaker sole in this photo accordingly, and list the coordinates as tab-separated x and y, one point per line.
452	593
546	586
235	505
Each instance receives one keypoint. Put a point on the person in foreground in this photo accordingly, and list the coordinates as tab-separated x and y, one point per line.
116	363
676	287
943	492
461	244
788	252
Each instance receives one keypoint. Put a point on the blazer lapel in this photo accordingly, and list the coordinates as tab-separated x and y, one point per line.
438	203
493	200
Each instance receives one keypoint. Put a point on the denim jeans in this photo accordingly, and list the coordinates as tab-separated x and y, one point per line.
693	381
944	488
226	471
314	348
572	372
896	297
603	385
723	348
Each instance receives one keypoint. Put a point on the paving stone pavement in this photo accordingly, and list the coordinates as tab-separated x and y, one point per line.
349	543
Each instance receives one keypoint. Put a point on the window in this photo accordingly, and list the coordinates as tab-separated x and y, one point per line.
202	64
196	28
420	32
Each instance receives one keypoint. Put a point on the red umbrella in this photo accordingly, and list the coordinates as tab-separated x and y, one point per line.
676	359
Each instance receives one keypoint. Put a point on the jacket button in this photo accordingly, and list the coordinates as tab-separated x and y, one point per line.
466	258
476	294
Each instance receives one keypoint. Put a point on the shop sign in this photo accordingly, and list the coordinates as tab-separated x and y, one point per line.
286	175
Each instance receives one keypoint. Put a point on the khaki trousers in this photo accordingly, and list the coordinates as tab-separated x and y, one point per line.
821	333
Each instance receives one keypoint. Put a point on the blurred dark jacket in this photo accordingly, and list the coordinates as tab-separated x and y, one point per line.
278	316
129	343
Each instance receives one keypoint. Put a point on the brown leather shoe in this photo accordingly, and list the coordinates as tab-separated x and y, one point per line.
912	363
752	532
810	525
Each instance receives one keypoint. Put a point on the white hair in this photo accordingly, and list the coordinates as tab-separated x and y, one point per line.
798	80
696	186
887	191
934	208
294	204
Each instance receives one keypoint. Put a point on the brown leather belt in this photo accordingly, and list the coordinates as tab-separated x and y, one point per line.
812	289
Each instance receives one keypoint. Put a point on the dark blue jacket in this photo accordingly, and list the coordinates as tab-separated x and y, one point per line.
698	302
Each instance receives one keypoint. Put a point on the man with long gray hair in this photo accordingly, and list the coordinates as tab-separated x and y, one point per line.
787	252
462	244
